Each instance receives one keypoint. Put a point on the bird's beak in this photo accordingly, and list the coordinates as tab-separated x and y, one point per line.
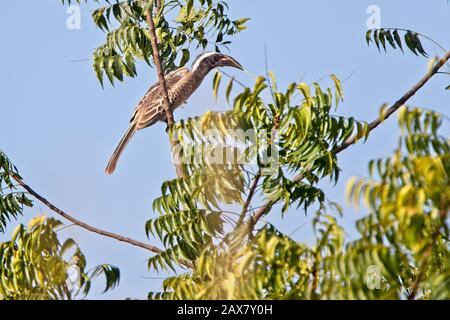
231	62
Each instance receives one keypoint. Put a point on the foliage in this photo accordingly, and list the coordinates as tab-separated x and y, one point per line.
383	37
273	147
387	261
410	202
306	133
35	265
12	202
199	23
402	250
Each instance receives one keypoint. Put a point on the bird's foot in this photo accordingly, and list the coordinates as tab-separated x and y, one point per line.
167	125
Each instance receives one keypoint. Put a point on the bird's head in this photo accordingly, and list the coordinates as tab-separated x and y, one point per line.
210	60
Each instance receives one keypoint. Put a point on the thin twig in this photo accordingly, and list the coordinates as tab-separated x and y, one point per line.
422	35
296	229
348	77
158	6
234	79
66	227
266	62
374	124
247	203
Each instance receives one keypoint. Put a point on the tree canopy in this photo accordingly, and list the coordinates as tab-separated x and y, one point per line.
263	156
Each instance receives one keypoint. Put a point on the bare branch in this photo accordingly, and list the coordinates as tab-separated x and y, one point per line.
162	82
158	5
79	223
397	104
88	227
374	124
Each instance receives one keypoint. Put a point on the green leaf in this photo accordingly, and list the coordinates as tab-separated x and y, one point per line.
229	89
418	44
390	39
382	37
189	6
216	83
108	64
186	55
111	273
339	89
369	37
397	39
67	245
410	42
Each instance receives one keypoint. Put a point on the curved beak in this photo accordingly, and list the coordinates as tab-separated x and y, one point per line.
228	61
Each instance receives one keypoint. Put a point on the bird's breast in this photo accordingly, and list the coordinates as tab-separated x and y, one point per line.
183	90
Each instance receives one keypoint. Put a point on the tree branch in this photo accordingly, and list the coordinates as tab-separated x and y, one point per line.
88	227
374	124
162	83
399	103
81	224
158	5
247	203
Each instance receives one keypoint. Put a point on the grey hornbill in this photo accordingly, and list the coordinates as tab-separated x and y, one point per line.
181	84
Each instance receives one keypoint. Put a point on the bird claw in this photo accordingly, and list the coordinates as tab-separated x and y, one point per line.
167	125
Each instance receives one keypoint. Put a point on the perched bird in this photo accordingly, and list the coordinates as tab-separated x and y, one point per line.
181	84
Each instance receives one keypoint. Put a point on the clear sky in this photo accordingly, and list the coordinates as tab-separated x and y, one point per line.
59	126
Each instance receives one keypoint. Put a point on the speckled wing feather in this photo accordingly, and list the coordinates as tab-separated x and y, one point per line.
148	111
151	107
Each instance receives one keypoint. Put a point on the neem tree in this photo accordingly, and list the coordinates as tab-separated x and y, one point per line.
210	215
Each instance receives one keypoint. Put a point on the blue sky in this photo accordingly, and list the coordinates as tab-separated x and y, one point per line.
59	126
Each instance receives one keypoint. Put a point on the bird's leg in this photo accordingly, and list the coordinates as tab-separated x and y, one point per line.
167	125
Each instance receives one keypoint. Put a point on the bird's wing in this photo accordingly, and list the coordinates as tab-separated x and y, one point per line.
151	107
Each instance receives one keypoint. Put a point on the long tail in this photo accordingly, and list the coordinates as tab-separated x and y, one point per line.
119	149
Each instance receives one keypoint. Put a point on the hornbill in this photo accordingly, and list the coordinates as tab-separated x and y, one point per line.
181	84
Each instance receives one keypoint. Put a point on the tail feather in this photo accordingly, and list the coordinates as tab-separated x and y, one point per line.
119	149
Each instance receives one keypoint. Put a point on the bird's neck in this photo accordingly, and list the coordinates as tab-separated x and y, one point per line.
200	73
194	78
